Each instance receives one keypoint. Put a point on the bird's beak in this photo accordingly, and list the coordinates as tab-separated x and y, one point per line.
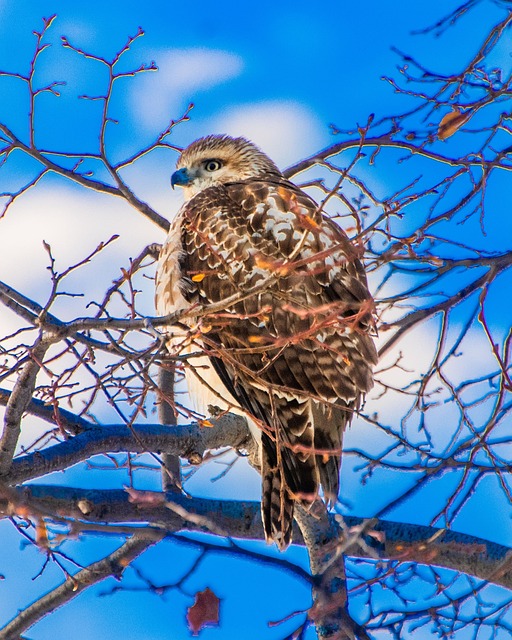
181	178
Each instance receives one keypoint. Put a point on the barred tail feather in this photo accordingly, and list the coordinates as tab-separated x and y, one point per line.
276	503
330	425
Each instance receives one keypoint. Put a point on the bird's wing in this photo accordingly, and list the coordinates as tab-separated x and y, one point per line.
294	348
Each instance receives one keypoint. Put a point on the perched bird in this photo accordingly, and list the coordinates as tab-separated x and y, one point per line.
291	347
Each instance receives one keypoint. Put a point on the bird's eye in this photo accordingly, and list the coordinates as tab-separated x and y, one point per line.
212	165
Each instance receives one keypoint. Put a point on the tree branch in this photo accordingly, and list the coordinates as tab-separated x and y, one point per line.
99	510
62	417
228	430
112	565
95	185
386	140
17	404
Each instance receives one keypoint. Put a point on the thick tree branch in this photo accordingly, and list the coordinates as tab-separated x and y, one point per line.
323	537
184	440
361	538
99	510
171	468
17	404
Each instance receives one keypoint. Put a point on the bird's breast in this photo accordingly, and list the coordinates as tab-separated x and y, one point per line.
168	284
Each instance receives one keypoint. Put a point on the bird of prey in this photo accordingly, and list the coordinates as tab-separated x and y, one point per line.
289	341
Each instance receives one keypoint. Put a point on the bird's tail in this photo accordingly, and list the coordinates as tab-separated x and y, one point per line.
276	503
297	460
288	469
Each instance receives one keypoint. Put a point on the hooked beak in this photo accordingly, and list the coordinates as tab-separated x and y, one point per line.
180	178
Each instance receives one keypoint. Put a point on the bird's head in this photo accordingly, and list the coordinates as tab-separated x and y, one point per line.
216	160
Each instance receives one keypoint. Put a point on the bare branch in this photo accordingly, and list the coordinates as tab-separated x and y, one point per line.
185	441
17	404
112	565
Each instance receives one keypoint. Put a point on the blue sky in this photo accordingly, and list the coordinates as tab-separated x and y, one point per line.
325	65
278	73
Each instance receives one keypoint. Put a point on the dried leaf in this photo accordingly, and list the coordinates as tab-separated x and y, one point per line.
195	458
148	499
262	262
205	610
205	328
307	222
41	535
283	193
380	536
452	122
85	506
20	510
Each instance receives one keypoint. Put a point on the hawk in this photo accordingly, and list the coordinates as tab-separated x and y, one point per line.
289	341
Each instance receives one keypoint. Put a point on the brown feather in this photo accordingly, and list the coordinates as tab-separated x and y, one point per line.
298	355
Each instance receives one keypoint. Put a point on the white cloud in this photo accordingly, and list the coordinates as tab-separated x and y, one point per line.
73	221
78	32
285	130
415	353
182	72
